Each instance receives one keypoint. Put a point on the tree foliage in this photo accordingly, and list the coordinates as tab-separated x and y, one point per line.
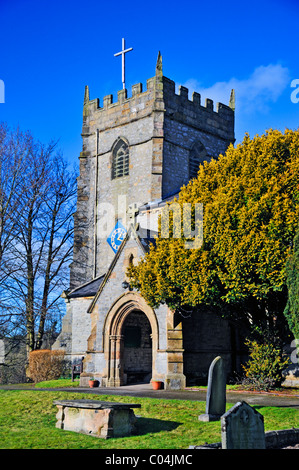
292	280
250	201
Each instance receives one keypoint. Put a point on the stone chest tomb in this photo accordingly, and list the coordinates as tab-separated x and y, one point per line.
96	418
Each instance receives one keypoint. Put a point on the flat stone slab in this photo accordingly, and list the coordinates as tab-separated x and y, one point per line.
96	404
97	418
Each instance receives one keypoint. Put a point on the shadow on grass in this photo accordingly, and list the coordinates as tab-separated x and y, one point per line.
151	425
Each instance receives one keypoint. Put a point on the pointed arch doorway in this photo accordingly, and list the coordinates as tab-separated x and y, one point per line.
137	348
130	341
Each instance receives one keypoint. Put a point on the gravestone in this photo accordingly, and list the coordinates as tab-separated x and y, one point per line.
216	393
242	427
2	351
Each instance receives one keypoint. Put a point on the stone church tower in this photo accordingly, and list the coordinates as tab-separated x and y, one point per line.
137	153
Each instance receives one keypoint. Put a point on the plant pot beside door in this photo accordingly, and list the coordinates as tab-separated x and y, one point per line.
156	384
93	383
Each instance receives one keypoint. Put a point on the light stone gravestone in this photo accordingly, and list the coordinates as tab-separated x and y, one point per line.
216	393
2	351
242	427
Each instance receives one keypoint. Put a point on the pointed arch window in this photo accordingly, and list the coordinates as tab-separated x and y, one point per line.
120	159
197	156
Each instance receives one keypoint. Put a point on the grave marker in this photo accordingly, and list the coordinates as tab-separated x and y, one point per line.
2	351
216	393
242	427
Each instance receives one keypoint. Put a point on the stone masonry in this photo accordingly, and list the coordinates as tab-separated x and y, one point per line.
165	136
161	128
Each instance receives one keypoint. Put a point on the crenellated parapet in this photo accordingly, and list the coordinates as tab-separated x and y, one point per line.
181	98
159	95
217	120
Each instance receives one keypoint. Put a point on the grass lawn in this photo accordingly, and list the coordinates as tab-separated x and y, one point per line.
28	418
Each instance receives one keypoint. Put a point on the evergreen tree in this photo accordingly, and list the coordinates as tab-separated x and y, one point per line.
292	280
250	200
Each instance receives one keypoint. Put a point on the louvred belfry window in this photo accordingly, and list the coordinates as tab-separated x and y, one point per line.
197	156
120	159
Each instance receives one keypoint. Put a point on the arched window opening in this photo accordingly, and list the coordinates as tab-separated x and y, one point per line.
120	159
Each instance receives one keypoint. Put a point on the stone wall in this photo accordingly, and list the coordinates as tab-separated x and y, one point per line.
160	128
76	327
205	336
105	324
186	122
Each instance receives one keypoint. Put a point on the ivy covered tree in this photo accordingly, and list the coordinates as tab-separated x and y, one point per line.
250	200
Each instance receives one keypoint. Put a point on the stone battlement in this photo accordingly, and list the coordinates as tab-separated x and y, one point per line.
168	89
160	96
160	100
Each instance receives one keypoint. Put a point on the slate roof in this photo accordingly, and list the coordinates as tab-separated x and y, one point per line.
159	202
87	290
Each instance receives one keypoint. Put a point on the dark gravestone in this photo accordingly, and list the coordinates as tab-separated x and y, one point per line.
216	393
242	427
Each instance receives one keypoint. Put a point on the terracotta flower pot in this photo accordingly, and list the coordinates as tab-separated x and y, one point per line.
156	384
93	383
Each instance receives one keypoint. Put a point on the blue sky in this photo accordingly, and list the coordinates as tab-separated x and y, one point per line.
51	49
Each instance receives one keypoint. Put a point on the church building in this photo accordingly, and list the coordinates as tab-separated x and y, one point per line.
137	153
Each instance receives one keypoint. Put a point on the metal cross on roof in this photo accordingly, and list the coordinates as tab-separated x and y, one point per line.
122	53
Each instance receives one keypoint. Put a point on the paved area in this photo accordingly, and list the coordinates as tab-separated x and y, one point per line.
145	390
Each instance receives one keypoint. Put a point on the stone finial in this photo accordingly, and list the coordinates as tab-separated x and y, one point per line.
85	106
232	100
86	95
159	68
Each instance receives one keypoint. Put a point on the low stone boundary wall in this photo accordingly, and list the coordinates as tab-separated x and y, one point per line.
96	418
282	438
274	440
